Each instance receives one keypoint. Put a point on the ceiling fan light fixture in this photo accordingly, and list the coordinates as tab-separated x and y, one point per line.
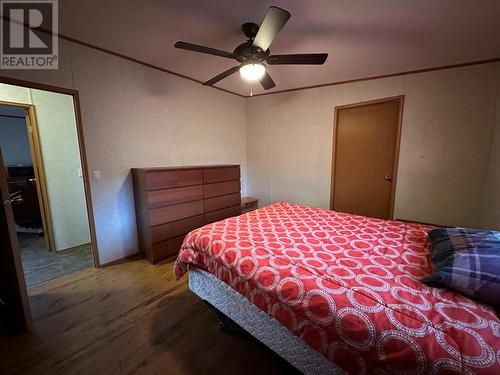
252	71
252	54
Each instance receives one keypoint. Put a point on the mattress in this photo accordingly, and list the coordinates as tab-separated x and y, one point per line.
349	287
260	325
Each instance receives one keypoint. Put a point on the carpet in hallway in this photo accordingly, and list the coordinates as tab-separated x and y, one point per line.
40	265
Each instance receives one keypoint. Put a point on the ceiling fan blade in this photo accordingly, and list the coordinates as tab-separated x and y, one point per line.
271	25
267	82
203	49
303	58
221	76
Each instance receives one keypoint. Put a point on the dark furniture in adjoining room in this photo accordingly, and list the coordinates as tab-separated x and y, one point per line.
172	201
24	196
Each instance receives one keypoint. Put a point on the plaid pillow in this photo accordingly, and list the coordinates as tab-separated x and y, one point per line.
468	261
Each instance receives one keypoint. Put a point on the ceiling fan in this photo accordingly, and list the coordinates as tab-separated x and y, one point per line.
255	51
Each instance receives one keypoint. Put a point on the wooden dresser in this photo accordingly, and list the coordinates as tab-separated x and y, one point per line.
170	202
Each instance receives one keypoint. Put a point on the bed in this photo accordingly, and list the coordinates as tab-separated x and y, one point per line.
341	291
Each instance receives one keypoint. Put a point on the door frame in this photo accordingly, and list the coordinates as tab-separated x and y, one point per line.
81	144
400	99
37	160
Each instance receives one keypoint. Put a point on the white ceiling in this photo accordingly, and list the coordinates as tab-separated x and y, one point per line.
363	38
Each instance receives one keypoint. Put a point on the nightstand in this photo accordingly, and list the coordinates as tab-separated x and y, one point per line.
248	204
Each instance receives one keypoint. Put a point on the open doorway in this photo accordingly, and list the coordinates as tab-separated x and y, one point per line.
41	154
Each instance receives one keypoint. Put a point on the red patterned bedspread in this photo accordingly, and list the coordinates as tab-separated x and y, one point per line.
349	287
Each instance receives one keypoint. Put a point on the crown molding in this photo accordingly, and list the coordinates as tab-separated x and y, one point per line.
369	78
125	57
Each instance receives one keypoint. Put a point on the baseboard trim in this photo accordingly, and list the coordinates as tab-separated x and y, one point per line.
128	258
73	247
424	223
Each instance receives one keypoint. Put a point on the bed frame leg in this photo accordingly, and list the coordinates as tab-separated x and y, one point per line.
224	323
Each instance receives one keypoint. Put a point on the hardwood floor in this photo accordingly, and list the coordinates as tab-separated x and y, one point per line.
132	318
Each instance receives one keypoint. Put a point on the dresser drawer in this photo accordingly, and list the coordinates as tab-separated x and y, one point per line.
220	174
221	188
172	213
166	248
168	197
172	179
223	201
222	214
175	228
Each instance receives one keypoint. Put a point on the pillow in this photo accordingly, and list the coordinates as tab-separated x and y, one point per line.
468	261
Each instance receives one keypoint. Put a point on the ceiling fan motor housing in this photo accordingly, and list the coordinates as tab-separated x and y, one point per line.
246	53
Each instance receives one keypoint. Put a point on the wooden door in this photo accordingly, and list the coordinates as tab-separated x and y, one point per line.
365	158
14	307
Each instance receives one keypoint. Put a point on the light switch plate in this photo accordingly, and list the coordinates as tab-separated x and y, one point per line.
80	172
96	175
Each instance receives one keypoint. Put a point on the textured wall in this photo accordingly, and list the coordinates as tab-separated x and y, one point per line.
59	144
491	196
14	141
444	144
134	116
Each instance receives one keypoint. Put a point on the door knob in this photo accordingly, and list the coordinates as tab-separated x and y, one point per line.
388	177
